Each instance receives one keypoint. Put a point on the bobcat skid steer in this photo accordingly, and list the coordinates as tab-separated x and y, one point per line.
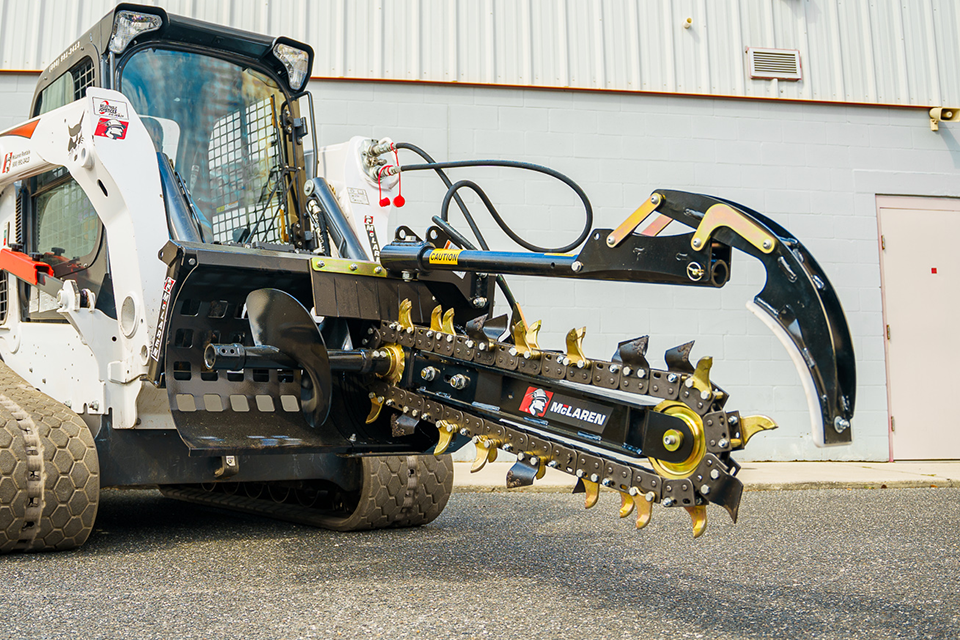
184	305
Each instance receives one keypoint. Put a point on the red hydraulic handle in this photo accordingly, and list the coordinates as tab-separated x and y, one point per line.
23	266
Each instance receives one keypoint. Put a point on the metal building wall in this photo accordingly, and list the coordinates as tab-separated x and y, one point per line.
870	51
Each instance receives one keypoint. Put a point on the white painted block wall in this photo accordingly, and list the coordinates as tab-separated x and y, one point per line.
814	168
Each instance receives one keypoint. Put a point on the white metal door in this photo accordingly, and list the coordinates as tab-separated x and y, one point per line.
921	287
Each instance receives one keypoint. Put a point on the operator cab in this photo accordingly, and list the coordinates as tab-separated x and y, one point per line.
222	107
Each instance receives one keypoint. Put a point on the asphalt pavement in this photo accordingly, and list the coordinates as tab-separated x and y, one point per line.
834	563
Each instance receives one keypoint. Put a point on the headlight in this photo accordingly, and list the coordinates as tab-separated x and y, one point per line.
296	62
127	25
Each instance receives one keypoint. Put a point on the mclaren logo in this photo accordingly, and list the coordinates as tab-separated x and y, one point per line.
535	401
577	413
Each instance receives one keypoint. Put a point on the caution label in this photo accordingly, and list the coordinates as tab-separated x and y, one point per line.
445	256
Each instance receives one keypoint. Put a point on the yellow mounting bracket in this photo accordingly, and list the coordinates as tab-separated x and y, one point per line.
721	215
633	220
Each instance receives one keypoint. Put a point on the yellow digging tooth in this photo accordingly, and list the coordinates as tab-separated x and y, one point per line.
644	503
447	324
698	515
575	347
532	332
486	452
435	319
701	377
593	492
749	427
405	307
376	404
542	470
446	436
626	505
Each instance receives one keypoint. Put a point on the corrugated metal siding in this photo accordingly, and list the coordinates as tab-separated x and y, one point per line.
868	51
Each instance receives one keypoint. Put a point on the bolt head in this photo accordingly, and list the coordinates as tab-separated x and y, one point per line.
688	383
705	490
507	447
607	482
429	334
634	491
565	361
668	502
697	242
521	456
627	371
469	344
594	477
614	368
641	373
767	244
513	351
534	460
465	432
733	420
650	496
611	241
577	266
672	378
553	464
715	475
580	473
705	395
723	444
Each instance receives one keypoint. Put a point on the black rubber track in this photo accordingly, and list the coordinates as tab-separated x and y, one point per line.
49	471
397	491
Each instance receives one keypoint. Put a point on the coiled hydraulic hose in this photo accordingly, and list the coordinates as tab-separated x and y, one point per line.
453	188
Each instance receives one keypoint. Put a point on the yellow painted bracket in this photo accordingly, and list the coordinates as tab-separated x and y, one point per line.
721	215
626	505
435	322
633	220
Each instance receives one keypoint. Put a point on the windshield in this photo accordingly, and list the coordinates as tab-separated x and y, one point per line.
218	123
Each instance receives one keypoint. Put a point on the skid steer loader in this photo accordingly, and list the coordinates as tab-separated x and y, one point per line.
188	303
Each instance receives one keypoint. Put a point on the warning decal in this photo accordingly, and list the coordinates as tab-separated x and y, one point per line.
445	256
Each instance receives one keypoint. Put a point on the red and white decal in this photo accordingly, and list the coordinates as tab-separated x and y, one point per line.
535	401
111	128
13	160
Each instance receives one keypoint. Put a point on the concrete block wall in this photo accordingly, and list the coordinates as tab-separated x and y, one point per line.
815	168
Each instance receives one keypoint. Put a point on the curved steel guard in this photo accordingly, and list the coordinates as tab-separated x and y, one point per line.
279	320
800	305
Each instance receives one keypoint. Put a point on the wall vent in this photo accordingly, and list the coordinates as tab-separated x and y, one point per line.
782	64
